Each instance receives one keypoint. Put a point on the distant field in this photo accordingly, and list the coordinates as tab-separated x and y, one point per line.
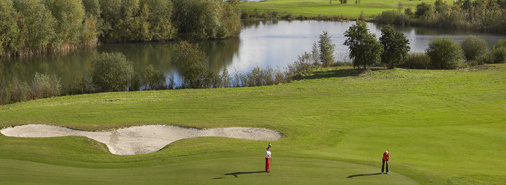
441	127
313	8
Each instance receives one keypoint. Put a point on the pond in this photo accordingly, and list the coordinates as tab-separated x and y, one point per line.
274	44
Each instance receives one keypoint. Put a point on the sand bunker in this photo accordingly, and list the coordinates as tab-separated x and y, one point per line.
141	139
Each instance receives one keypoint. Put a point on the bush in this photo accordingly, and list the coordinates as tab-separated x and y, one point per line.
190	61
417	61
112	72
387	17
153	79
444	53
497	55
44	86
326	50
474	47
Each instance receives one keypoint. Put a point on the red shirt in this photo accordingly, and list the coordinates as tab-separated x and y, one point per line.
386	156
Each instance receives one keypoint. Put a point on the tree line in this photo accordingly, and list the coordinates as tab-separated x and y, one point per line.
486	15
39	26
442	53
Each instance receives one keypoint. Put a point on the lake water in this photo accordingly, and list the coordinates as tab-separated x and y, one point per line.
262	43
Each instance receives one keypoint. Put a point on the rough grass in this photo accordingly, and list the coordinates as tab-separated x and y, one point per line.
313	8
441	126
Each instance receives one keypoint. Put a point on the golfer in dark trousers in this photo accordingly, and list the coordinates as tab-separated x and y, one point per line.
386	157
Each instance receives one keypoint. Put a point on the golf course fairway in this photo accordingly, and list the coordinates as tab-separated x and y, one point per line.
315	8
440	127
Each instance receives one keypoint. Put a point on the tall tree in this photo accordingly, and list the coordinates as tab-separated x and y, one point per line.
190	60
395	46
365	50
158	15
326	49
92	7
111	15
69	15
9	32
36	25
198	19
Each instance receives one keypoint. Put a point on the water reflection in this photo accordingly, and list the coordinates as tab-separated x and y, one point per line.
261	43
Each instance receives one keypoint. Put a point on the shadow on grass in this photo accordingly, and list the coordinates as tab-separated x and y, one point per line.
336	73
235	174
362	175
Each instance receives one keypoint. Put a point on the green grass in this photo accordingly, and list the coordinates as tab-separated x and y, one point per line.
313	8
440	126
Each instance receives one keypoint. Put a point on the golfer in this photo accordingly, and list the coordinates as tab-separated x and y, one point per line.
386	157
268	158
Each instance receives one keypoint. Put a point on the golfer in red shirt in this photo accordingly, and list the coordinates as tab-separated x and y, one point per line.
386	157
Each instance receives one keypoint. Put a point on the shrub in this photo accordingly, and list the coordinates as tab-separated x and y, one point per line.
18	91
387	17
190	61
444	53
326	50
408	11
171	82
497	55
225	78
279	77
80	86
417	61
423	9
153	79
474	47
112	72
44	86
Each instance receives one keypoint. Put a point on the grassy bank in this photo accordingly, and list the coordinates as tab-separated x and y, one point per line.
440	126
313	8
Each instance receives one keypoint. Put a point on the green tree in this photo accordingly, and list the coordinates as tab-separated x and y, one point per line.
498	53
112	72
326	49
190	61
423	9
158	18
474	47
198	19
111	15
444	53
315	54
441	6
9	32
365	50
69	15
90	27
129	26
92	7
36	25
153	79
395	47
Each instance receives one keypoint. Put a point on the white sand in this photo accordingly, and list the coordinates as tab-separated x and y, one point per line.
141	139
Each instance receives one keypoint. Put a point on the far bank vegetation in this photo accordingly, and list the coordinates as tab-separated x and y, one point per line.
40	26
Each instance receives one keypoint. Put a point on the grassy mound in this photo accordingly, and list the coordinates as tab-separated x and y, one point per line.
440	126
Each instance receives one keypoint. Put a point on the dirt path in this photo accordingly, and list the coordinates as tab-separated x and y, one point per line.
141	139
